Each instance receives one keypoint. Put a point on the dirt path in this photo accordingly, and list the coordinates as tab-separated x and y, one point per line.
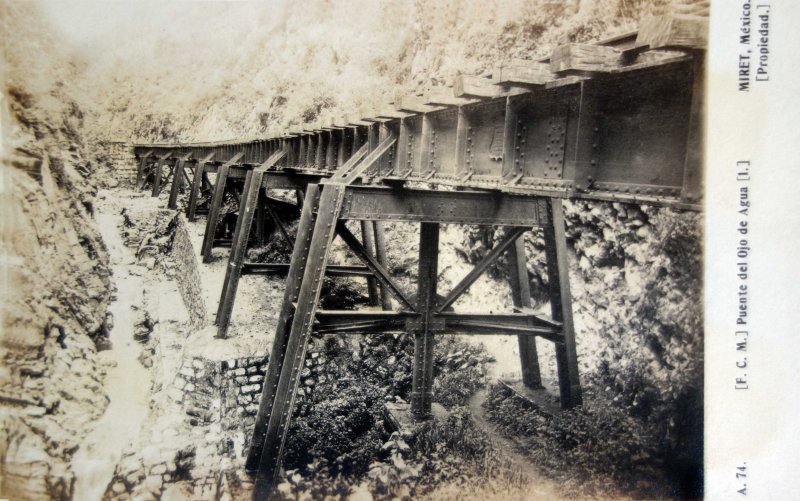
539	487
127	384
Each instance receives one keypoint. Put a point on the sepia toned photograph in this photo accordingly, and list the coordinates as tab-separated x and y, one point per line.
353	250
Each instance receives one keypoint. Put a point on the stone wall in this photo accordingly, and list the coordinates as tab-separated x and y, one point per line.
185	268
241	382
196	388
312	374
229	392
218	400
118	161
160	237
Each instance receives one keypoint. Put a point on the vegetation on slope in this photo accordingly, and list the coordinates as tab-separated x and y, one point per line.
230	70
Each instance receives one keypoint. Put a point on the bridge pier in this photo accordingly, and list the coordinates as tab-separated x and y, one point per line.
555	242
426	316
214	208
179	180
199	179
521	297
423	331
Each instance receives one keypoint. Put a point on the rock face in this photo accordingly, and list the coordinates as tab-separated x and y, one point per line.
55	286
55	297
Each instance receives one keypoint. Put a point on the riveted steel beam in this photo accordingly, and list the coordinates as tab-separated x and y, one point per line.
423	330
178	178
283	268
197	182
489	259
460	207
216	203
374	265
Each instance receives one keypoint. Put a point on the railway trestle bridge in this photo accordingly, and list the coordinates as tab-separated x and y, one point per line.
620	120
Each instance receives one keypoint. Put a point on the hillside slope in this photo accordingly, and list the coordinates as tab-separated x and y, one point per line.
234	70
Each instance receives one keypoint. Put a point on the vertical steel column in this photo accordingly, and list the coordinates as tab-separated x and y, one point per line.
425	161
561	305
213	211
383	166
140	173
247	209
177	183
372	140
157	178
194	194
356	144
368	240
261	217
311	152
372	136
380	254
289	145
584	163
303	152
511	159
290	295
692	190
307	299
340	153
463	167
521	296
330	152
402	161
319	159
422	383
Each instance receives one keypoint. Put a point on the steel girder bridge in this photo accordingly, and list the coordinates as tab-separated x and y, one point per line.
620	120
